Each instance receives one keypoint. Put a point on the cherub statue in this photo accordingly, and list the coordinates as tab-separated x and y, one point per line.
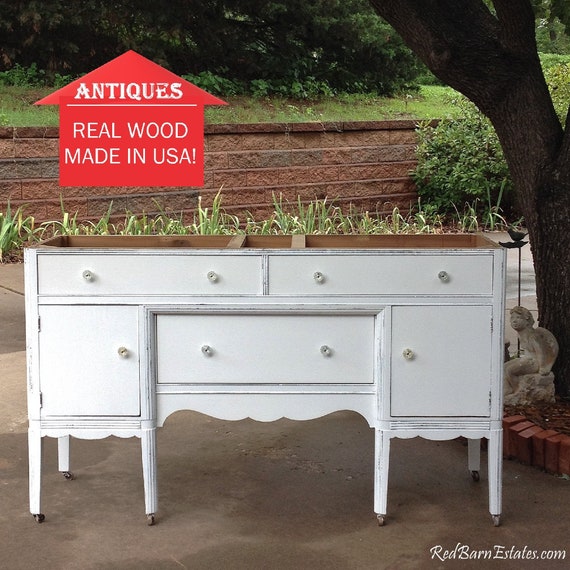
531	370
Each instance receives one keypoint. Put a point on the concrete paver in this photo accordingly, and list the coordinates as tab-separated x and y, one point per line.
250	495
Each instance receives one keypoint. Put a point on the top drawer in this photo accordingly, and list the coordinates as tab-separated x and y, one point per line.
381	275
149	274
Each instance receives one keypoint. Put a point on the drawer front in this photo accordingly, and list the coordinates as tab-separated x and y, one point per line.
381	275
265	349
149	275
89	361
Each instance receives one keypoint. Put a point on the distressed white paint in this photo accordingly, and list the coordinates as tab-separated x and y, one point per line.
119	338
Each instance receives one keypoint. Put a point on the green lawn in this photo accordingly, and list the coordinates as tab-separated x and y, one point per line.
17	108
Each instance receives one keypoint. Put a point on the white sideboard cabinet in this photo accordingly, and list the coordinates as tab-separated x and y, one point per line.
405	330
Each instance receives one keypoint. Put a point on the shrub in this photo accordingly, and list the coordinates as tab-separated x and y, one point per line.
549	60
15	231
460	161
23	76
558	80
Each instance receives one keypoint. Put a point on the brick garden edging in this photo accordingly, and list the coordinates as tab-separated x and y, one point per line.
532	445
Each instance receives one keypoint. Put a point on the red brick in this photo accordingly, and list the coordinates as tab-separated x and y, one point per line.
264	141
552	452
564	456
230	179
403	137
215	161
512	435
512	420
7	149
508	422
524	444
371	138
538	446
217	143
36	148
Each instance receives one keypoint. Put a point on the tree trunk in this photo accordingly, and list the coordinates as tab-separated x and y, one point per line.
492	59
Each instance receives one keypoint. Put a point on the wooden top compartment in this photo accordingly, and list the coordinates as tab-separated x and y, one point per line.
241	241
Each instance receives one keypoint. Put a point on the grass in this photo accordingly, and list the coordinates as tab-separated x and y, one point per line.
17	108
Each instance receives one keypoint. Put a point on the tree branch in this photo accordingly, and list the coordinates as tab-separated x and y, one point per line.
465	45
517	24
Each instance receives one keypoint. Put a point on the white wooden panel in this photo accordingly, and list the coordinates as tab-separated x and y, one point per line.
449	371
381	274
149	275
81	370
264	349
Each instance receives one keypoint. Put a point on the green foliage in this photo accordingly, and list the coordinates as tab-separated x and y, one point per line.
549	60
215	84
16	230
314	217
23	76
299	49
213	221
460	161
558	80
552	25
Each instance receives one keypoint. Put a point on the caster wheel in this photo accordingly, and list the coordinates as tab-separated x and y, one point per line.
39	518
68	475
475	476
381	519
150	519
496	520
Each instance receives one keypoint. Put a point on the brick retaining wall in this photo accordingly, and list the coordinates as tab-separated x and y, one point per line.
365	164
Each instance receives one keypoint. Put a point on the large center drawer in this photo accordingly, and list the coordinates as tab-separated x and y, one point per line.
149	274
381	274
265	349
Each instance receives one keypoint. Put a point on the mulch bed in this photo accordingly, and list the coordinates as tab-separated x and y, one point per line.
547	416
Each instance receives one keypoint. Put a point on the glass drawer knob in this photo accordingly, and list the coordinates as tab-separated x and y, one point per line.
212	276
408	354
326	350
123	352
207	350
443	276
88	275
318	277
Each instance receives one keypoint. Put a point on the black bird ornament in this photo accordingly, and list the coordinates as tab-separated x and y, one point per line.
517	238
516	235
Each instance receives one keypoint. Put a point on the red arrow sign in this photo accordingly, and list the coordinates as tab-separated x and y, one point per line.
131	122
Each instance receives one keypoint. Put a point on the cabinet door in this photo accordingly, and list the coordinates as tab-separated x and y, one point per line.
441	361
89	361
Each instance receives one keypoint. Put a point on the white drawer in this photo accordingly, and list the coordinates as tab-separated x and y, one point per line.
381	275
265	349
149	274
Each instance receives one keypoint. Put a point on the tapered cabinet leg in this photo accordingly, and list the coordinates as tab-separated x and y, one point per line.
381	467
63	456
474	457
148	449
495	459
35	471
